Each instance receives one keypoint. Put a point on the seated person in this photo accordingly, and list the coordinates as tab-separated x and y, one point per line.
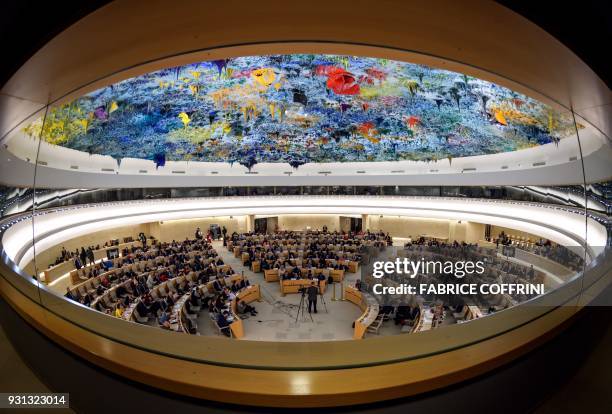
86	300
217	286
188	309
244	283
195	297
69	294
126	301
402	314
229	295
218	304
164	320
100	307
142	309
242	307
119	310
121	291
151	281
100	290
141	289
223	323
105	282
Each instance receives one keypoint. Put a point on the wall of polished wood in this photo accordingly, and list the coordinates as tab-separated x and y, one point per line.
289	388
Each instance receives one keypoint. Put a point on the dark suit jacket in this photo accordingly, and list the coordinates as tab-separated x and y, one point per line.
312	292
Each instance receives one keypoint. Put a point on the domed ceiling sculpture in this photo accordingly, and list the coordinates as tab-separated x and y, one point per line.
301	109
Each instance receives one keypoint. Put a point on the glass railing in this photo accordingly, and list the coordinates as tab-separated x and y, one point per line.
42	205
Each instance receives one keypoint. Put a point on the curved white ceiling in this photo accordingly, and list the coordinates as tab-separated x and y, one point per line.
550	164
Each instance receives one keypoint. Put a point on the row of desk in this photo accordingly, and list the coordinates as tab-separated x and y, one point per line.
294	285
249	294
368	305
352	265
177	314
273	275
56	271
138	267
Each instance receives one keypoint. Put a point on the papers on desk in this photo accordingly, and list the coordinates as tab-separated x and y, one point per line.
425	322
475	312
127	314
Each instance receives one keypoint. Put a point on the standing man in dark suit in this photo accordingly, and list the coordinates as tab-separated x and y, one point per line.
83	256
143	239
90	256
312	292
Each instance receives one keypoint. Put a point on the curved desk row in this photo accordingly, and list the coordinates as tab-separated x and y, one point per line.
138	266
54	272
273	275
77	275
368	304
294	285
247	295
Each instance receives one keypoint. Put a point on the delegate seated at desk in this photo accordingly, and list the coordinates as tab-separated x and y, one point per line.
242	307
217	285
223	323
164	320
406	315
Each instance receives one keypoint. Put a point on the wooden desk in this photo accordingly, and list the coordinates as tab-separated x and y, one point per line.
224	281
271	275
474	312
128	313
177	314
61	269
425	321
337	275
368	304
248	295
353	295
294	285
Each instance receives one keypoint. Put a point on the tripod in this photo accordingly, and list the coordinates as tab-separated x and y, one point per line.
302	308
322	298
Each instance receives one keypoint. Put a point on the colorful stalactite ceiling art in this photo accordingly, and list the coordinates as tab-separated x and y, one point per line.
299	109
